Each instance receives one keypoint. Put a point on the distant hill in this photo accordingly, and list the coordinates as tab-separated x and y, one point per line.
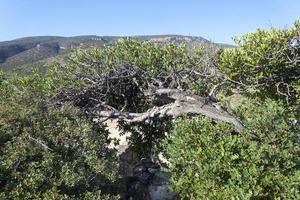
29	50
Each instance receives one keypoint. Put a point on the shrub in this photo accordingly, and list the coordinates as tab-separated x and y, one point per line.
53	150
209	161
166	65
154	58
266	63
48	153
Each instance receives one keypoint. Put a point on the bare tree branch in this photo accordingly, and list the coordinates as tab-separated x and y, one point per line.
113	94
182	103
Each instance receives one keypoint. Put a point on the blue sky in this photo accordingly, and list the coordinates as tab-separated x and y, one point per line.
217	20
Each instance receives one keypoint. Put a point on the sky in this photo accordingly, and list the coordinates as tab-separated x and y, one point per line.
216	20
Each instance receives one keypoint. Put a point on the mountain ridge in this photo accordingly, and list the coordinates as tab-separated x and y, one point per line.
29	50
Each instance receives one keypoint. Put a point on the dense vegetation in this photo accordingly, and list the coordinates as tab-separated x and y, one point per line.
52	147
267	63
48	153
209	161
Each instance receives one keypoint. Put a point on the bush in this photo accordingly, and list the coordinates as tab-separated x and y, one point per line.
209	161
157	59
53	150
48	153
266	63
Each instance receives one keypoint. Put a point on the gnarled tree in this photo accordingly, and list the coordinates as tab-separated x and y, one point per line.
144	85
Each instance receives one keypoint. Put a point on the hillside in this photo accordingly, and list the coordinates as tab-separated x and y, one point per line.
21	53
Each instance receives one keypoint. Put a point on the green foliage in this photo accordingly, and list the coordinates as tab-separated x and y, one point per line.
153	58
54	151
48	153
266	63
209	162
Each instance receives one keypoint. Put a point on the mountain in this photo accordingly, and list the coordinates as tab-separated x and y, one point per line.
32	50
